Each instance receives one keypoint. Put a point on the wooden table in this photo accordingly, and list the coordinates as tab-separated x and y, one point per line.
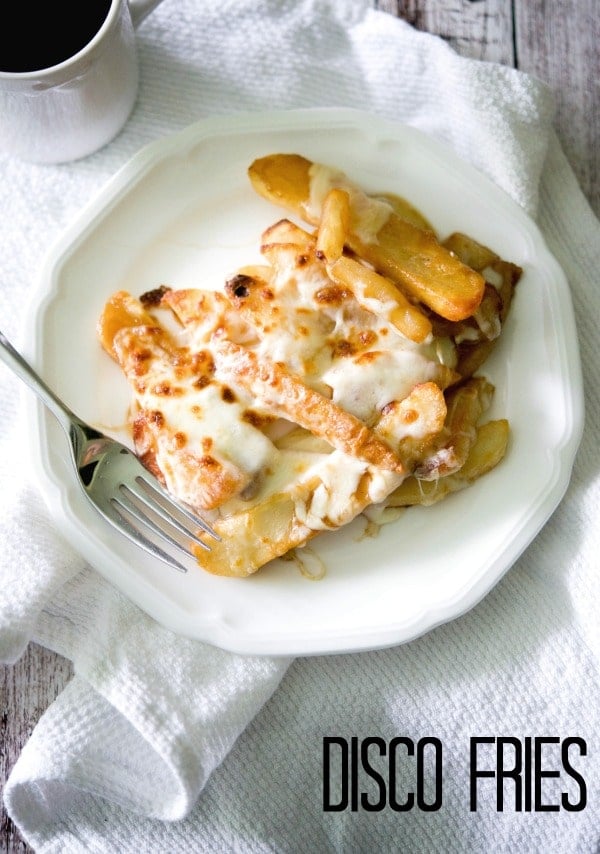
557	41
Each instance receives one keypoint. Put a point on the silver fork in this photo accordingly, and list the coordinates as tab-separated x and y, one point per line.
129	497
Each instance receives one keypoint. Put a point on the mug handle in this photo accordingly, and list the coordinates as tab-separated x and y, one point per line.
140	9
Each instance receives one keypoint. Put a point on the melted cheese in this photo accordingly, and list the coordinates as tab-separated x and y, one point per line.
368	215
334	501
197	428
205	415
363	385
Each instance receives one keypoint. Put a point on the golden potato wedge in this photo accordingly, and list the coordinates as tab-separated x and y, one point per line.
333	227
405	210
379	295
410	426
120	311
253	537
286	231
465	403
476	337
283	179
487	451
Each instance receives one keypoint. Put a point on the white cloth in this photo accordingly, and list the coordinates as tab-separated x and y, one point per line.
163	744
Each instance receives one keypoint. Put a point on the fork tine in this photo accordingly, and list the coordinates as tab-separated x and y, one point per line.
159	501
138	512
135	535
147	500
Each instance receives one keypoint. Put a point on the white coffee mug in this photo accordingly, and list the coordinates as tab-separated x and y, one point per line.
74	107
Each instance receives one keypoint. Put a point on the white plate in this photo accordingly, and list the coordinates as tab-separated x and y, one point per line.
182	212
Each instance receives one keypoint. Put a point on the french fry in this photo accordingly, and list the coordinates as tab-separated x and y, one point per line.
465	403
282	255
287	396
300	439
486	452
194	306
502	275
121	311
379	295
411	425
252	296
286	231
283	179
470	251
333	228
206	312
267	305
476	337
412	257
405	210
415	260
253	537
488	315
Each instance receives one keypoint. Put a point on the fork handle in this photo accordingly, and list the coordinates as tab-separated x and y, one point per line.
25	372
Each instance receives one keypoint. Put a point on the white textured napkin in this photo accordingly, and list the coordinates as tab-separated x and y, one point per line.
163	744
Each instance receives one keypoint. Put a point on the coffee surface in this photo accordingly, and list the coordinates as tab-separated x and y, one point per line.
38	35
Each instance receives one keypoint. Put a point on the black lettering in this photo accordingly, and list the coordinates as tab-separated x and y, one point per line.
512	773
410	798
354	773
540	773
475	772
437	747
371	772
328	806
527	773
581	803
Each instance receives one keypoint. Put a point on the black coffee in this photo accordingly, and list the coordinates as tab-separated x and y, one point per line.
38	34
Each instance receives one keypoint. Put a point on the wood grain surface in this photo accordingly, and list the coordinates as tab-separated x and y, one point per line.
555	40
